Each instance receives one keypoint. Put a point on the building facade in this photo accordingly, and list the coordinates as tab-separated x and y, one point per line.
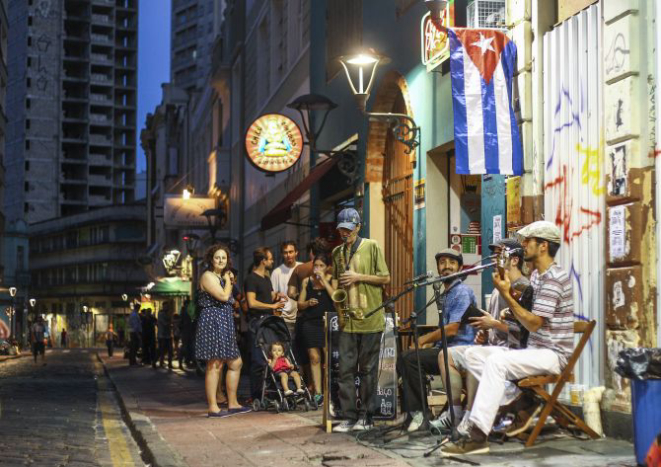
82	265
4	37
193	30
72	103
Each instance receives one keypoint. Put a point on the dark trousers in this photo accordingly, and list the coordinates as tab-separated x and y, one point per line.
165	346
407	368
359	356
134	345
257	366
111	347
148	351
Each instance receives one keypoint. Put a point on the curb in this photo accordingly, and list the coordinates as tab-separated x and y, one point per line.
4	358
155	450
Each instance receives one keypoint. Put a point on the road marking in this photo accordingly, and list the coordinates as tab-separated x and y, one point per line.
117	445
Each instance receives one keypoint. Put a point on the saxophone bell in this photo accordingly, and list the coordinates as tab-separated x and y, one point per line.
341	300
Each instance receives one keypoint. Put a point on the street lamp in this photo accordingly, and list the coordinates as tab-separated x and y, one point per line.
360	69
220	216
312	102
12	294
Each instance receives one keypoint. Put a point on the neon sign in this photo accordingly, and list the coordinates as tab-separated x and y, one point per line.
435	44
274	143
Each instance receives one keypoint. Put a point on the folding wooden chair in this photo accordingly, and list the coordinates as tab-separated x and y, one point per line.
562	415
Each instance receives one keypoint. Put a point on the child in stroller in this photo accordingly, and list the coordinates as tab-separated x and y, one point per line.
283	368
271	333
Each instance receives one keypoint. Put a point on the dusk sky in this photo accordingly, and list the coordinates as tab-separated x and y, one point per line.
153	61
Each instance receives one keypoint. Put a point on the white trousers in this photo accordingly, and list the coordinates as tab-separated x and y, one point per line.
495	367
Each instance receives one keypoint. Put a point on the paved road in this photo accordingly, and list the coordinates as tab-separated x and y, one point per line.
64	413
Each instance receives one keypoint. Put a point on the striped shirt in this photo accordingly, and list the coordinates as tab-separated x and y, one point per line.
553	301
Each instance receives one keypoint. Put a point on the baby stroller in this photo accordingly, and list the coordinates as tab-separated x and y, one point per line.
268	330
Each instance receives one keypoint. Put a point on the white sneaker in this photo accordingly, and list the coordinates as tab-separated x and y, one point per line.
344	427
465	426
363	425
444	422
416	421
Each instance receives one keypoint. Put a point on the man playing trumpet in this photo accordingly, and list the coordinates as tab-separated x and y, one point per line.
361	271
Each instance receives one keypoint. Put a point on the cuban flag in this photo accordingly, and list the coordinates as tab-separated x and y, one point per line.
486	136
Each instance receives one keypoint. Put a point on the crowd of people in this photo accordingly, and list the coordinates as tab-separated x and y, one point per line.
526	330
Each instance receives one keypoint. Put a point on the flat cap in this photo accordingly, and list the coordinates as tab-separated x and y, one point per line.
541	229
450	253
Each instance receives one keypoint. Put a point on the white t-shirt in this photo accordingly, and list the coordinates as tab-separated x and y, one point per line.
279	279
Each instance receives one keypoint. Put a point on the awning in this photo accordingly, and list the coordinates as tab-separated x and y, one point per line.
282	211
170	287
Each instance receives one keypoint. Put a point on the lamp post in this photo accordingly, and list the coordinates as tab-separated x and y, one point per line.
360	69
12	294
85	321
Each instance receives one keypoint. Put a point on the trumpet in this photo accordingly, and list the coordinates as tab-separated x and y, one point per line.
341	299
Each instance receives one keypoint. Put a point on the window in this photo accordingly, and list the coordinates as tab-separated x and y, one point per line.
26	207
27	103
26	186
28	82
29	41
20	257
27	124
29	62
27	166
30	20
27	144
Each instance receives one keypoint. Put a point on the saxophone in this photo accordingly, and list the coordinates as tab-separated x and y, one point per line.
341	296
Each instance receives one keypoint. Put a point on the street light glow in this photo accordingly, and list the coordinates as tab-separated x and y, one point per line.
12	291
33	302
362	59
186	194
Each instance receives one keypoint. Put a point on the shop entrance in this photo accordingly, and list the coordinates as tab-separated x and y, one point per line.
398	219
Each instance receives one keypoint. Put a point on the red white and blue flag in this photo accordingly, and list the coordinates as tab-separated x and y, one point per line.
486	135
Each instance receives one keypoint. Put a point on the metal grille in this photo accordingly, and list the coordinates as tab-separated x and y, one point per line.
486	14
574	190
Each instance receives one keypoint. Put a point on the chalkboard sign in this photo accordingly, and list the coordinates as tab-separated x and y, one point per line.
386	391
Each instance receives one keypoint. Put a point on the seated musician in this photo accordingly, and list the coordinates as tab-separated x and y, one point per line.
492	329
456	298
550	324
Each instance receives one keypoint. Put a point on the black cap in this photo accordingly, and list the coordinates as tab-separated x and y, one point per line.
509	244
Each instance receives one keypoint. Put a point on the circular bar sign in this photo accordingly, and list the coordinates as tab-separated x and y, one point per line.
274	143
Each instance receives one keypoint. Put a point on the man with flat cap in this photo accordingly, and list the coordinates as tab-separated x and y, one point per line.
455	299
550	324
360	269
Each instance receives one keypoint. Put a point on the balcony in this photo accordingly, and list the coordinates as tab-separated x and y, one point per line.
99	159
99	119
101	19
100	140
99	180
100	58
100	99
95	200
100	78
101	38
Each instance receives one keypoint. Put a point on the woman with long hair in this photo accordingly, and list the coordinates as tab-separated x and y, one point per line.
215	340
313	303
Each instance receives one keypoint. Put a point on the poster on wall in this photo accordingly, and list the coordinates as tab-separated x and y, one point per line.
274	143
513	201
497	228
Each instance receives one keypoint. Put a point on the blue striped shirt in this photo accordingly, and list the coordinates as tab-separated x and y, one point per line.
455	301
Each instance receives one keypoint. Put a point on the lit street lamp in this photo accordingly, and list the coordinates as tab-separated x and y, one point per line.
360	70
12	294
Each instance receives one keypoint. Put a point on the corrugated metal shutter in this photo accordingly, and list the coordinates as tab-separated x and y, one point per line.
574	187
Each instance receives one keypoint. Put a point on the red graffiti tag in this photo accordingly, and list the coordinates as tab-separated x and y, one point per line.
563	213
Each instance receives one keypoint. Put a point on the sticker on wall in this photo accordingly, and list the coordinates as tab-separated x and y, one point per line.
274	143
419	191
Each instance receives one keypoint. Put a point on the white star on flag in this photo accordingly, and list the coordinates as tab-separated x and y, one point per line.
484	44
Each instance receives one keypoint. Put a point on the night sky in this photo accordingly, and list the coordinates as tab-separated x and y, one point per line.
153	61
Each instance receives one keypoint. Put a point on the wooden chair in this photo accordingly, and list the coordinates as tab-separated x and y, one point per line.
562	415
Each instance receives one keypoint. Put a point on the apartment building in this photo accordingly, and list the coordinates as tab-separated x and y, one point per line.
71	106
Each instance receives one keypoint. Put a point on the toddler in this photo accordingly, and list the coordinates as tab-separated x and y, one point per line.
283	368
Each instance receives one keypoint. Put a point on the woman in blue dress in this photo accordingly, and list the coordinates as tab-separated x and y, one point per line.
215	340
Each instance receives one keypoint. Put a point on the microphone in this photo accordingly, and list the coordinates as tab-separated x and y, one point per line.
427	275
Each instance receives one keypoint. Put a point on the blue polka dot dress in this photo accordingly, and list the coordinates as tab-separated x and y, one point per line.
216	336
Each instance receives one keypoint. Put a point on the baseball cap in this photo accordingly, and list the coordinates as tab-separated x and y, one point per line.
541	229
509	244
348	218
450	253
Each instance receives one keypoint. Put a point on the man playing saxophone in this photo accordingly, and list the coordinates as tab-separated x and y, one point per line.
361	271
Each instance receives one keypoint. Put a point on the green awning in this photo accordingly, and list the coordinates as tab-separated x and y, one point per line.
170	287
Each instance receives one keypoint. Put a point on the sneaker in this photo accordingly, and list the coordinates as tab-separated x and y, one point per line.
465	445
289	392
319	399
523	420
503	424
345	427
417	420
300	391
444	422
363	424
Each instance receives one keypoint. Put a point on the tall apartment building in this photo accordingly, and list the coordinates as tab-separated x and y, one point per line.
71	106
194	27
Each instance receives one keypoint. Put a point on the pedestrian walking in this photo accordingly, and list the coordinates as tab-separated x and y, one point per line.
165	333
176	336
215	340
110	340
63	339
135	334
148	338
38	339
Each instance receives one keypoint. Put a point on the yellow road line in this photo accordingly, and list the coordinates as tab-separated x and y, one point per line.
119	450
